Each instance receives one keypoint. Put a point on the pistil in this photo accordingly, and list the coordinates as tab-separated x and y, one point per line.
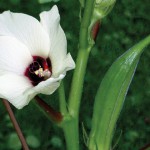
39	70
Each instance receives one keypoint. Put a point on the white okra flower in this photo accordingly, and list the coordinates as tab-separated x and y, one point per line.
33	55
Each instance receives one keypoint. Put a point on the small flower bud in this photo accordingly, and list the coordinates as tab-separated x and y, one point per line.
101	9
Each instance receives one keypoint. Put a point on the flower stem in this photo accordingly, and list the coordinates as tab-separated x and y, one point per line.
15	124
146	147
77	84
62	99
71	134
81	63
49	111
71	125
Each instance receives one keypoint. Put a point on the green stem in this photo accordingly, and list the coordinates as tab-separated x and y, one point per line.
77	84
62	99
70	126
81	63
71	134
85	24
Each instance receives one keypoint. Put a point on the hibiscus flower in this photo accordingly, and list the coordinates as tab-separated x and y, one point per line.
33	55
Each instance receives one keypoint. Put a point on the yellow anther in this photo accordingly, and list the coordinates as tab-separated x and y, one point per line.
39	72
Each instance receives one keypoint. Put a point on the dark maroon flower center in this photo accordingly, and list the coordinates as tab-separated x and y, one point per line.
39	70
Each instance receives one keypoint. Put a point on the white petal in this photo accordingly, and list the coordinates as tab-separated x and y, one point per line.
13	88
58	50
49	86
67	63
14	56
26	29
50	21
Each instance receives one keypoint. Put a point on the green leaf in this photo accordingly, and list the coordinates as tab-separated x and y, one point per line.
111	94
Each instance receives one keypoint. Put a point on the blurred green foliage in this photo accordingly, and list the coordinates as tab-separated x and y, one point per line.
127	24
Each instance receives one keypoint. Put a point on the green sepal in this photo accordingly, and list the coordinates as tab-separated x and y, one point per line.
100	10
